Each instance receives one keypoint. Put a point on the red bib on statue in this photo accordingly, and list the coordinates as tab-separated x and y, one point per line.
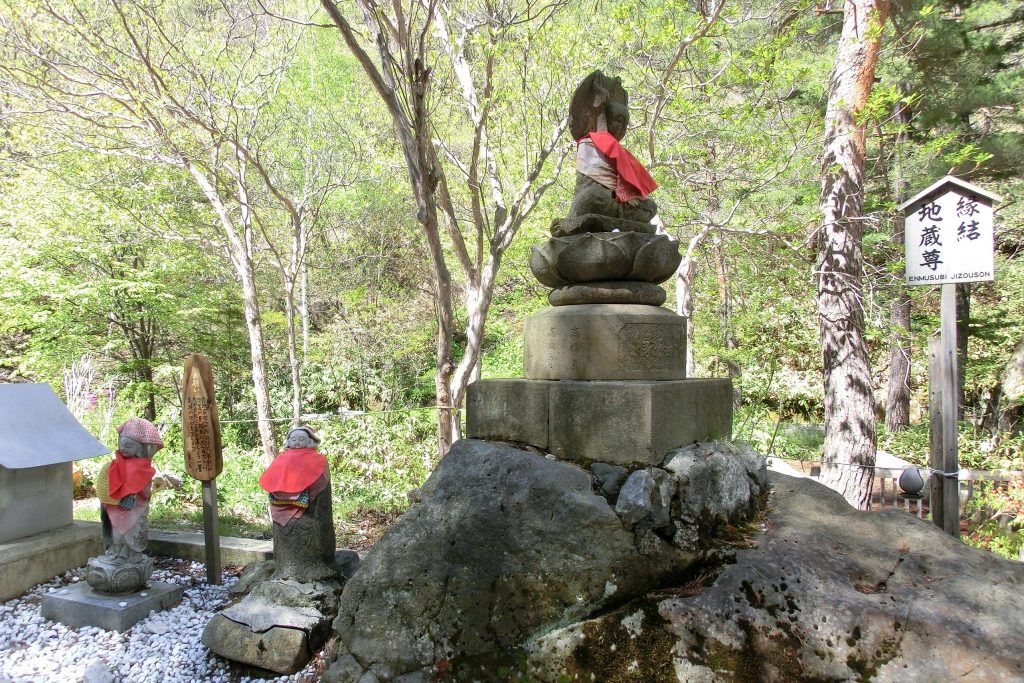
127	476
631	172
293	471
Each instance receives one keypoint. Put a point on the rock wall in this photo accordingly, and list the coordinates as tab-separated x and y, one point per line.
505	546
825	593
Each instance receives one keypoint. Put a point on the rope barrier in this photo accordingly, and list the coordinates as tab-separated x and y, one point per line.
853	465
346	415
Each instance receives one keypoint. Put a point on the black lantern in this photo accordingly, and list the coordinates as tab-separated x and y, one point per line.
911	482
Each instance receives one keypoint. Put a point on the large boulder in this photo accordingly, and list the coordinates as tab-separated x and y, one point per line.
825	593
505	546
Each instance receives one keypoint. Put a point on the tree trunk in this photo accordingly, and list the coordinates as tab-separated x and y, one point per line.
725	307
479	294
304	310
684	304
448	424
294	363
254	326
685	275
146	374
897	402
849	456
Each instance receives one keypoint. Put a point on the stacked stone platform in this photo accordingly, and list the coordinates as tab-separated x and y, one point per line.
605	366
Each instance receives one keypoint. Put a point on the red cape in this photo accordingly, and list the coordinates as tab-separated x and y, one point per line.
631	172
293	471
128	476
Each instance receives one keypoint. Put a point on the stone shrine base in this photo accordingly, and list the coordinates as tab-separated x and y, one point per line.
24	562
78	605
618	422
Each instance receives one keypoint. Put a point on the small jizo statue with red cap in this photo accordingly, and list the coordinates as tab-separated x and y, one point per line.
124	486
299	488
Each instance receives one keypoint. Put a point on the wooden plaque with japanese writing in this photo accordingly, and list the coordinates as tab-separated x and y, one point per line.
200	426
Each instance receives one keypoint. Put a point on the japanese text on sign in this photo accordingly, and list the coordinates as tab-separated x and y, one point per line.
199	431
200	428
949	238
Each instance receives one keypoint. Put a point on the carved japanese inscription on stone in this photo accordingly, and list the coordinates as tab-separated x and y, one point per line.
649	346
200	428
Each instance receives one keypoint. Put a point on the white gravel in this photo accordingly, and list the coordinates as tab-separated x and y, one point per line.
162	648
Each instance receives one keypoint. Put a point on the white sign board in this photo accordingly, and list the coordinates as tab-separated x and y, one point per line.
948	234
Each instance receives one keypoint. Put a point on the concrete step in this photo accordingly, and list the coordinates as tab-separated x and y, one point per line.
191	546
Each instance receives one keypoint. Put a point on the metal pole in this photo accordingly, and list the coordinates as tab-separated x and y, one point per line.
935	482
211	532
950	459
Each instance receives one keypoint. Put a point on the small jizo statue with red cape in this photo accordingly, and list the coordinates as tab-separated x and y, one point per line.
124	486
299	488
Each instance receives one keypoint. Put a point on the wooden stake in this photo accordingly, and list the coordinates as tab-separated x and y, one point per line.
948	384
211	532
202	447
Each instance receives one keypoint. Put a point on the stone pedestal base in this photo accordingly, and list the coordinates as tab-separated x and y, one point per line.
35	559
78	605
118	576
625	423
278	626
606	342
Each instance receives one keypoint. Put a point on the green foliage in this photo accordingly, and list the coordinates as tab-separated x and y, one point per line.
1001	509
977	449
774	437
377	458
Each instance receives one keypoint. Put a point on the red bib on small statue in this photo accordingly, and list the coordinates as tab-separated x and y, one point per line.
128	476
293	471
631	172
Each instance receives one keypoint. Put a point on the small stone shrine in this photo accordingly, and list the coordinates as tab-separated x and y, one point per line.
605	366
118	592
285	619
39	439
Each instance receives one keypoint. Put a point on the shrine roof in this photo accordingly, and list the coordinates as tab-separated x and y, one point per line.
37	429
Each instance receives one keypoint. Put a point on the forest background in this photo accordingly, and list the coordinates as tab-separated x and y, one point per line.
226	178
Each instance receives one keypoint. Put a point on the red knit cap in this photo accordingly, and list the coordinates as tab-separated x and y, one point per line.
141	430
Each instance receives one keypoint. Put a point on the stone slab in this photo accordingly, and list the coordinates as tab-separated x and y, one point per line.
192	546
605	342
618	422
497	408
38	558
279	649
78	605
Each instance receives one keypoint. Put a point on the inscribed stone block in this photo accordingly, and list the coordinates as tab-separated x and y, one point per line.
605	342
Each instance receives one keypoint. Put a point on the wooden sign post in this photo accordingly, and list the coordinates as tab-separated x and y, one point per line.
948	238
203	458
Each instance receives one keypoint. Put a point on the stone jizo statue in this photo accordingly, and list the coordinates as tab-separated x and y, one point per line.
608	249
124	487
299	490
612	187
285	619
